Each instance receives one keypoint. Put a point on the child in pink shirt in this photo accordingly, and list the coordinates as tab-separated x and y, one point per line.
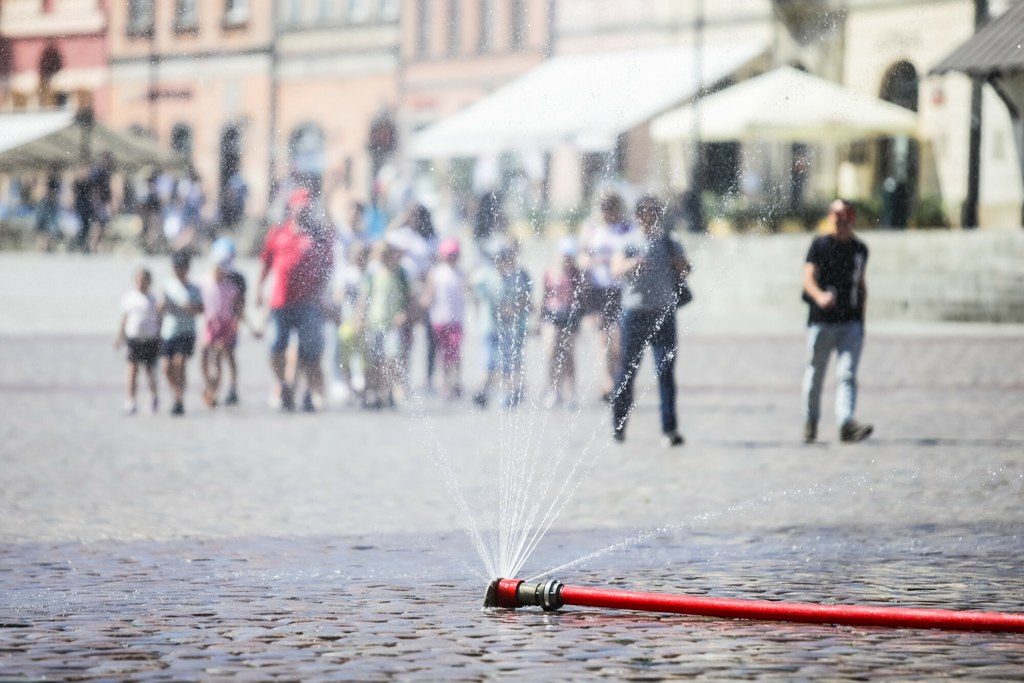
562	309
224	303
445	297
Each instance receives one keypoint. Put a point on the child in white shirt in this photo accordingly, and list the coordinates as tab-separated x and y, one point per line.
140	331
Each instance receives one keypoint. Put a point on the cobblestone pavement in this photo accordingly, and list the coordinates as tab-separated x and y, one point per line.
252	545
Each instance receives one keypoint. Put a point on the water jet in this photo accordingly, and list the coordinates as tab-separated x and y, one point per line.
553	595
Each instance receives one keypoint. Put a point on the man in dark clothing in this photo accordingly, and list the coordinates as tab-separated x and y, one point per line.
834	288
649	275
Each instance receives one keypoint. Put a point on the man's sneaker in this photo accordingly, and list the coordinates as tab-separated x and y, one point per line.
618	435
178	409
810	432
480	399
287	398
232	398
671	439
853	431
307	403
129	407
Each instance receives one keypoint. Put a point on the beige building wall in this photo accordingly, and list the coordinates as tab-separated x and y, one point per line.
337	70
879	36
212	71
923	34
450	74
342	108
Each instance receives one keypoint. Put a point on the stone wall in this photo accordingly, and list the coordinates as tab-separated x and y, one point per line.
913	275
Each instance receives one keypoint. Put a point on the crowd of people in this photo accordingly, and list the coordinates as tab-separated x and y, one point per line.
377	293
170	209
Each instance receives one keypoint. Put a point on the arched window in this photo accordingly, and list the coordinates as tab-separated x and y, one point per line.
483	41
306	156
231	210
900	85
898	157
454	26
517	25
50	62
181	141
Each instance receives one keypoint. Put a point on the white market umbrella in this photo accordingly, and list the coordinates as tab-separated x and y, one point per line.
582	100
786	104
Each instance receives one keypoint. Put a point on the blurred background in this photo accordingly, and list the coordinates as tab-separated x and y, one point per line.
170	121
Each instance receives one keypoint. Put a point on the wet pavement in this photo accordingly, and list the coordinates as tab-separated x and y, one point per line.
253	545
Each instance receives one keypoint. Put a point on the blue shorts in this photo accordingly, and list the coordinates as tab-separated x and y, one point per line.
182	345
308	323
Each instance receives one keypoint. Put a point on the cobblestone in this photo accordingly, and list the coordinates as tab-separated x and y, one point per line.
251	545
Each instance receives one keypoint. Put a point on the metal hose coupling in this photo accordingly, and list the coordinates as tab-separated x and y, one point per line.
513	593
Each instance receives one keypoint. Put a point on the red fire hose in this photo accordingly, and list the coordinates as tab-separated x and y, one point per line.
552	595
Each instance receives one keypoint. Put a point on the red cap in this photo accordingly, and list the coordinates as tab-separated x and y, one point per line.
298	199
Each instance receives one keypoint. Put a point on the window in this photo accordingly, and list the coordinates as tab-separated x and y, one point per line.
422	28
306	155
140	17
181	141
293	12
358	11
454	24
327	10
186	15
231	186
517	25
389	9
484	39
236	12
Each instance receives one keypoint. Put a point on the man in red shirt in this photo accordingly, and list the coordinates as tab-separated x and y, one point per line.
300	257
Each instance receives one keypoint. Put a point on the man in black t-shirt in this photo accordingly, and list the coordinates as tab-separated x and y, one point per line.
834	289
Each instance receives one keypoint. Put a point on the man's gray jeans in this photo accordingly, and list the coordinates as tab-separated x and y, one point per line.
847	339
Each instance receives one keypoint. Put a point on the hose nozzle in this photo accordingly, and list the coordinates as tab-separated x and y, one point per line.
513	593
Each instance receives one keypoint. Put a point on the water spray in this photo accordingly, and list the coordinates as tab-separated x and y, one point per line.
553	595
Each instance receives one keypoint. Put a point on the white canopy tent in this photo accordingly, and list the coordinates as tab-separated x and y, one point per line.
786	104
583	100
39	140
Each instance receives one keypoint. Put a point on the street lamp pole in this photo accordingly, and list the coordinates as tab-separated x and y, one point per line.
697	167
275	35
154	75
969	212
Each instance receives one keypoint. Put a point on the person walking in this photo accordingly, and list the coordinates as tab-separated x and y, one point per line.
506	293
224	301
140	332
650	275
301	260
602	239
182	302
416	237
835	291
562	309
383	313
444	299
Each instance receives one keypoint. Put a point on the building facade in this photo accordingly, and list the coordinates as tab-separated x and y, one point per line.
53	53
196	76
336	73
329	91
879	48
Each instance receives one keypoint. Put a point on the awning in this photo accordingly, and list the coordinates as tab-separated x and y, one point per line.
786	104
582	100
42	139
995	54
994	50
